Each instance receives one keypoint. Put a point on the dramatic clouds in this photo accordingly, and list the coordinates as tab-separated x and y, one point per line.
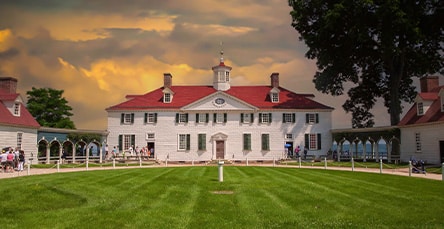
99	51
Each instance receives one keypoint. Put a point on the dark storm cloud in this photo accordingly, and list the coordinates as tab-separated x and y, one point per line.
9	54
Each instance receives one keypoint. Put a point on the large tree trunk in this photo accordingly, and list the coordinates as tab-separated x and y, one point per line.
396	75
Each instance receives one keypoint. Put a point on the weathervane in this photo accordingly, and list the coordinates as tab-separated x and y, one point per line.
221	52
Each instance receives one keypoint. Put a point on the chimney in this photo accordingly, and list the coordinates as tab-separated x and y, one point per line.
8	85
167	80
428	83
274	79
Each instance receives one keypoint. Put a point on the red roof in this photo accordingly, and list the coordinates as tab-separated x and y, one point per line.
7	118
257	96
433	114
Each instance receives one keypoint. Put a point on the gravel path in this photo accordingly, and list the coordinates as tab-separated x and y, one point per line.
399	172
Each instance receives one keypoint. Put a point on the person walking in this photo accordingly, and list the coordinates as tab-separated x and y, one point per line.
21	160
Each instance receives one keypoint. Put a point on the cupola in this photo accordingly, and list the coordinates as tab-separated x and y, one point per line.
221	75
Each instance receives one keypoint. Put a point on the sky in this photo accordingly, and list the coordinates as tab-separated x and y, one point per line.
100	51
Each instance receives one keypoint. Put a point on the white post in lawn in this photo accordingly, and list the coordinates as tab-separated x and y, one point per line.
353	164
114	163
29	169
274	162
442	171
410	168
299	158
221	171
87	162
247	161
380	165
325	162
58	165
140	161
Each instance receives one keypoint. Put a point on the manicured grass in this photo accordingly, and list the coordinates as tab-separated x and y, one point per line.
249	197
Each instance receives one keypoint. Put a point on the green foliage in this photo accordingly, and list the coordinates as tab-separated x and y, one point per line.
87	137
376	47
49	108
249	197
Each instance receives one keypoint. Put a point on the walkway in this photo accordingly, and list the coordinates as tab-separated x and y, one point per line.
399	172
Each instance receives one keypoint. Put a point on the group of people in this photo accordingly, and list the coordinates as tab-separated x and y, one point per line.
139	152
297	152
12	160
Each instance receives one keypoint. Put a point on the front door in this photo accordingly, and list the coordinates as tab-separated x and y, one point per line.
220	149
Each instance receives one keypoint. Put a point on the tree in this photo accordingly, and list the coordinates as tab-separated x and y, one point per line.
375	47
49	108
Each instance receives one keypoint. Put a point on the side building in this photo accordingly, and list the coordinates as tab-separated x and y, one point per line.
220	121
422	135
18	129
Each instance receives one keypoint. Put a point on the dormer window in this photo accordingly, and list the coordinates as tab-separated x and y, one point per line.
167	98
16	109
274	97
420	107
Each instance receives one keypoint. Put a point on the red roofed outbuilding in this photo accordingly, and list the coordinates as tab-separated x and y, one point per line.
18	129
422	128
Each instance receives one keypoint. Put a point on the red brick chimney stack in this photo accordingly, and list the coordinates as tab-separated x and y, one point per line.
428	83
8	85
274	79
167	80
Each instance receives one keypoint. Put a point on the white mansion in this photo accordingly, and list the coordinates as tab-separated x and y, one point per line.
220	121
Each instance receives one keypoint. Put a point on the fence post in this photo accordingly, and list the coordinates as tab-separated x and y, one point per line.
353	164
410	168
28	171
442	171
87	162
380	165
274	162
299	158
247	161
325	162
58	165
140	161
114	163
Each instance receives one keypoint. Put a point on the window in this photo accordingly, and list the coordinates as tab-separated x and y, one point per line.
264	117
19	140
442	103
167	98
227	76
221	76
289	136
150	118
220	117
420	108
202	118
265	142
274	97
184	142
247	142
288	117
17	109
311	118
201	142
150	136
126	140
246	117
313	141
181	117
127	118
418	142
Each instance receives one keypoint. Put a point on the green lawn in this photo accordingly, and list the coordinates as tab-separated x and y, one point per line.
249	197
